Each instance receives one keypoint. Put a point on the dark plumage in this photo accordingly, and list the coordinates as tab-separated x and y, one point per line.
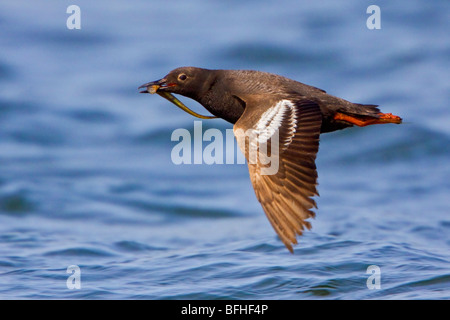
267	104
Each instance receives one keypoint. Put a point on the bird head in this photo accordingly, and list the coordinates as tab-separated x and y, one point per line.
187	81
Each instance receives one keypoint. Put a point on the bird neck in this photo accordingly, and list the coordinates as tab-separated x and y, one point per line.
217	99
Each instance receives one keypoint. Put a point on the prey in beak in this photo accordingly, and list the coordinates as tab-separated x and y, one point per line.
159	86
154	86
149	89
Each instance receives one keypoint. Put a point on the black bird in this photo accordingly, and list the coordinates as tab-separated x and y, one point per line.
263	106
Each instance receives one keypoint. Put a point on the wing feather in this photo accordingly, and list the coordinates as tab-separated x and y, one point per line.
286	196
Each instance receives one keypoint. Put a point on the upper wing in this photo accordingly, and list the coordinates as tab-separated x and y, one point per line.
281	145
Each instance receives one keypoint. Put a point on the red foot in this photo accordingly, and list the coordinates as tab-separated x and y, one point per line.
363	121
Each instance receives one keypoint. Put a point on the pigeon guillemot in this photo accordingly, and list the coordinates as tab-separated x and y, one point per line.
270	105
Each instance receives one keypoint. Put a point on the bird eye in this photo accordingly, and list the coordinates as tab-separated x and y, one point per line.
182	77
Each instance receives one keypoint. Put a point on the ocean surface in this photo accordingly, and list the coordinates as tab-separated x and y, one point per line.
87	178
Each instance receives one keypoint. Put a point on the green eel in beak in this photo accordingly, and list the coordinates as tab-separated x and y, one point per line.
152	87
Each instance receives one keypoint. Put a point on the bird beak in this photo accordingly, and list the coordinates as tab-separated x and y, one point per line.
154	86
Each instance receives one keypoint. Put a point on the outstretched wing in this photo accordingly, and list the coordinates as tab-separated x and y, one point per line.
280	145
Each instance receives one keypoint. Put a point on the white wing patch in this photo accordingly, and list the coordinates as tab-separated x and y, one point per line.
272	119
267	132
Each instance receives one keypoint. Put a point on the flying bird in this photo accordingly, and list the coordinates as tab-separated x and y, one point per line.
283	115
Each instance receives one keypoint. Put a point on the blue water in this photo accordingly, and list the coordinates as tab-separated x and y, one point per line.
86	176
